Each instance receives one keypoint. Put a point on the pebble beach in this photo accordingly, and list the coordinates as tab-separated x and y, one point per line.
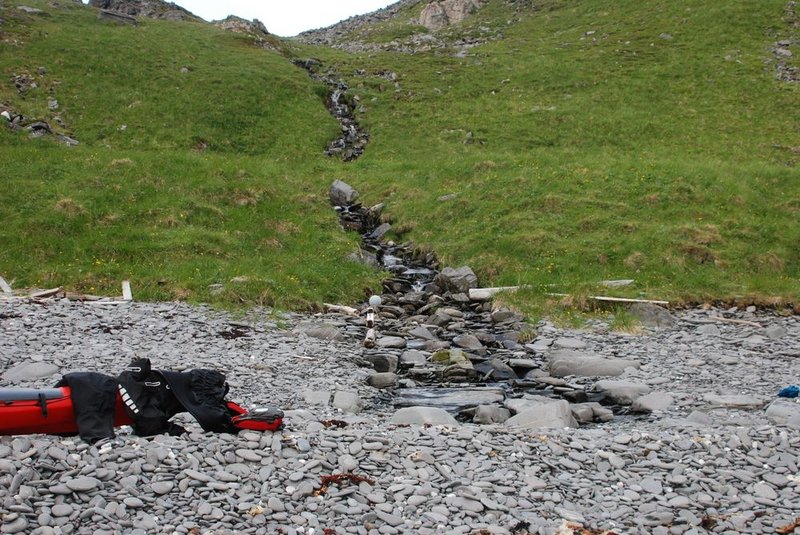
722	455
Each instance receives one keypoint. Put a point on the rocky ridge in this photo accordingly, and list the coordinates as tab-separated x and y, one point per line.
436	20
152	9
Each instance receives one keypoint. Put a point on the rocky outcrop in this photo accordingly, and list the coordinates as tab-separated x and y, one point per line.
240	25
353	34
442	13
150	9
252	28
336	33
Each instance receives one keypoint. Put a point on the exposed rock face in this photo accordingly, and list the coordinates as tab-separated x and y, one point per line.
240	25
254	29
442	13
353	34
151	9
334	34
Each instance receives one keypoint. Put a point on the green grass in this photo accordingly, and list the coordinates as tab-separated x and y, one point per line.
584	146
581	144
182	179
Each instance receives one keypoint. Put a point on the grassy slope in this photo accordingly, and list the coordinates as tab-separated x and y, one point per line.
142	201
612	154
599	149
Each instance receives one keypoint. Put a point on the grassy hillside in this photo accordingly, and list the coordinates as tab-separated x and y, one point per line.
596	140
199	161
588	140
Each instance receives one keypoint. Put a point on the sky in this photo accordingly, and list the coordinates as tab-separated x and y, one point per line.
282	17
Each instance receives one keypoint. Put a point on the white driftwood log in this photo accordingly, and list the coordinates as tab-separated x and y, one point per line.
616	299
5	287
127	295
46	293
341	309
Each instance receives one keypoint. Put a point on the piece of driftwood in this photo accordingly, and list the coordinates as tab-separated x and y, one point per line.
43	294
484	294
627	300
127	295
341	309
5	287
615	299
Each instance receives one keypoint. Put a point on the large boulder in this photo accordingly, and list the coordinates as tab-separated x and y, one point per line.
441	13
621	392
490	414
651	315
457	279
539	411
30	371
784	412
151	9
734	401
422	416
347	402
496	370
323	331
382	380
342	194
654	401
564	363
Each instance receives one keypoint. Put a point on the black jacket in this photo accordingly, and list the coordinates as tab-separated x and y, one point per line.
151	398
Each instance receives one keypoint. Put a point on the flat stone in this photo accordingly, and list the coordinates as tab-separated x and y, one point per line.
30	371
317	397
382	380
566	363
396	342
412	358
490	414
774	332
347	401
468	342
162	487
708	329
423	333
60	510
496	370
82	484
654	401
651	486
538	411
763	490
733	401
18	525
423	415
197	476
621	392
569	343
783	412
322	331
